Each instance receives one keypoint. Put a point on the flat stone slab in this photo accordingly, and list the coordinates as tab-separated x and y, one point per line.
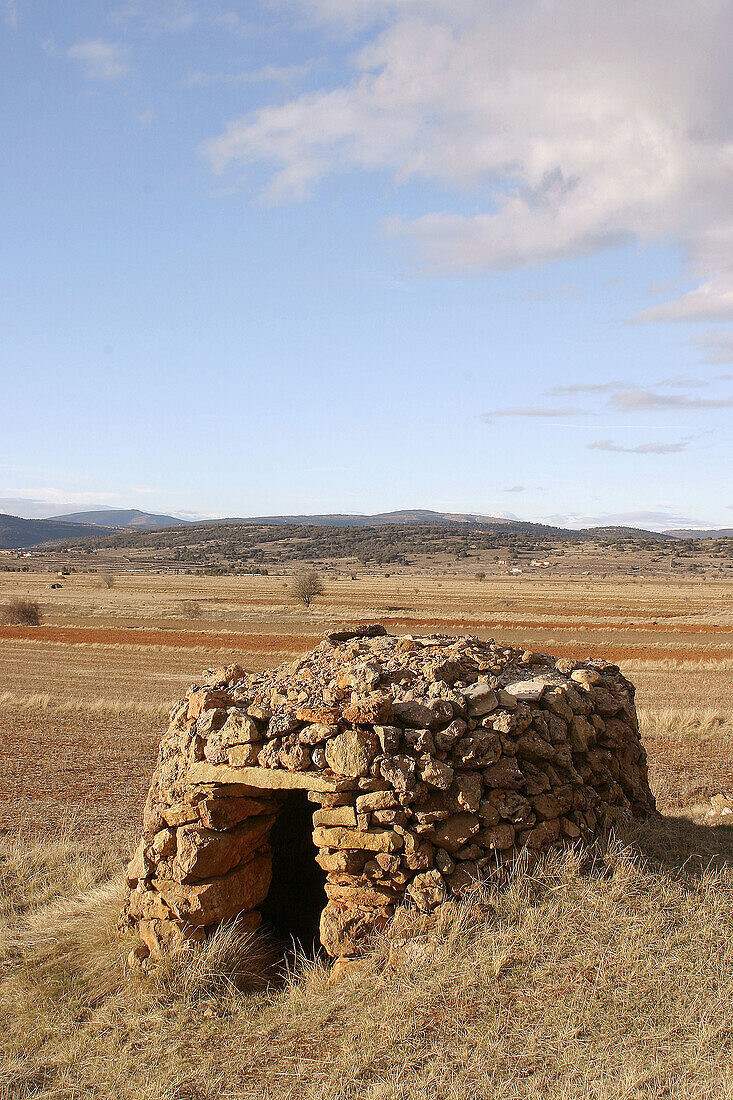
273	779
527	691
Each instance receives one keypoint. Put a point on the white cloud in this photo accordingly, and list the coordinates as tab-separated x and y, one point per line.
641	449
49	501
659	520
645	400
101	60
585	387
574	126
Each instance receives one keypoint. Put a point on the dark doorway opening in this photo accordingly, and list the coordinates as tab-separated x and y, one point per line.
292	909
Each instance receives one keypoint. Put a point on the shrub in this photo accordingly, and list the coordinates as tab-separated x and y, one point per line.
306	586
107	580
190	609
22	611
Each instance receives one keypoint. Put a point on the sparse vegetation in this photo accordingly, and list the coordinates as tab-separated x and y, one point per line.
607	977
305	587
611	982
190	609
21	611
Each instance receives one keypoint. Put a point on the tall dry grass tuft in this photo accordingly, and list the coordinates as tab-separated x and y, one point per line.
602	975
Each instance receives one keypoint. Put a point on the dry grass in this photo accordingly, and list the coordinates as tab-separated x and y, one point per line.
605	982
603	979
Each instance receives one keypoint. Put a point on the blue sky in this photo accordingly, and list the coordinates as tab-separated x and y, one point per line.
354	255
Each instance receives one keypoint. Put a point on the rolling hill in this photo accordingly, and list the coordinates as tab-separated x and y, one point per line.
18	534
132	518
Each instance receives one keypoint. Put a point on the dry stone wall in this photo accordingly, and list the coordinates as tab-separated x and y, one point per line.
433	762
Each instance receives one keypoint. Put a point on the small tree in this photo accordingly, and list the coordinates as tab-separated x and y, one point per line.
107	580
306	586
480	576
21	611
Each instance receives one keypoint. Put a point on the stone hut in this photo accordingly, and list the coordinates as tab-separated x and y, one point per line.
432	762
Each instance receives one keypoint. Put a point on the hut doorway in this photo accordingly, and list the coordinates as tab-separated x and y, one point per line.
292	909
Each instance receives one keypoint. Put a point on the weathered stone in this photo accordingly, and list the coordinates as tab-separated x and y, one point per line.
587	677
427	890
225	813
206	699
527	691
480	699
340	815
436	774
534	747
255	780
318	716
316	733
453	833
506	773
467	789
369	710
447	738
359	896
206	853
399	772
552	805
488	813
376	800
351	862
389	738
352	752
207	903
294	756
479	749
497	838
241	756
380	840
512	807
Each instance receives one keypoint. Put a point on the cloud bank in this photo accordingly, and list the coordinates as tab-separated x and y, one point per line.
573	126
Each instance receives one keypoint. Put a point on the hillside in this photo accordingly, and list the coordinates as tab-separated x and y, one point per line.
378	519
711	533
17	533
122	517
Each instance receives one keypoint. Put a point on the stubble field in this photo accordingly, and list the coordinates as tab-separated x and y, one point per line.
83	696
601	977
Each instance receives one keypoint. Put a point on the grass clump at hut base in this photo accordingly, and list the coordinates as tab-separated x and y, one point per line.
602	977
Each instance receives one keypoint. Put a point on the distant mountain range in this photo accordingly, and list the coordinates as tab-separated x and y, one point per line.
121	517
17	533
712	533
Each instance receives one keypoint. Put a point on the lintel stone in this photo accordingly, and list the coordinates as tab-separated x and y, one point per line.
259	779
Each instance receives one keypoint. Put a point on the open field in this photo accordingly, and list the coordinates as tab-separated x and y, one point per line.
83	696
608	980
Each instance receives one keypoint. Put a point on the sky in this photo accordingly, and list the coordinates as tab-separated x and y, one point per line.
299	256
